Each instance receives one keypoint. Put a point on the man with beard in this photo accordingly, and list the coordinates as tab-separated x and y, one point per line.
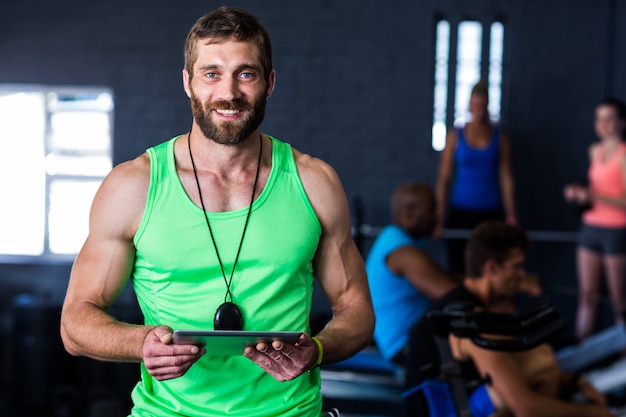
403	277
221	228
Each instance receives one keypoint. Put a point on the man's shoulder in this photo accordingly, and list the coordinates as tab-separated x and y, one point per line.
305	161
132	170
316	175
394	231
126	186
307	164
393	237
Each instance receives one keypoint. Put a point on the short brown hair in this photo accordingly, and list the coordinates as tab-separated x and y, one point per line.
226	23
492	240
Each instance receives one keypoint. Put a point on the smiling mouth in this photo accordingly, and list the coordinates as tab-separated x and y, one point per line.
227	112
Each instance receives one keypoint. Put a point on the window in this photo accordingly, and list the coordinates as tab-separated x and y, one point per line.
56	150
467	68
440	104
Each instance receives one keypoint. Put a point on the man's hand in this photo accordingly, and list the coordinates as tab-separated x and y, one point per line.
282	360
165	360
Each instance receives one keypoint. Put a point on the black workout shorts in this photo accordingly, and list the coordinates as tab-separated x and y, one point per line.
603	240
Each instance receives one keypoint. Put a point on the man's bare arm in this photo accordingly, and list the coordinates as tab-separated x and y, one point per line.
338	265
421	270
509	384
100	273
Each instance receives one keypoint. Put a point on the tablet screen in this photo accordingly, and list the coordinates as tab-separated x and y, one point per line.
230	342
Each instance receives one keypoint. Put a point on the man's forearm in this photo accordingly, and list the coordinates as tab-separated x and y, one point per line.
87	330
346	334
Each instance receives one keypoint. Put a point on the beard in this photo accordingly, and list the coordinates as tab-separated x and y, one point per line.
228	132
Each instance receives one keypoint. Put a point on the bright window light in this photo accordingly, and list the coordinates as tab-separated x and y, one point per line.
68	210
496	49
22	178
440	102
57	149
469	49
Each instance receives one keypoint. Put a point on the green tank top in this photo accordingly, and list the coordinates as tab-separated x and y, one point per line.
179	283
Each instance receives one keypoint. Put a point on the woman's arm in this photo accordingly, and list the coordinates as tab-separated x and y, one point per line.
507	183
444	178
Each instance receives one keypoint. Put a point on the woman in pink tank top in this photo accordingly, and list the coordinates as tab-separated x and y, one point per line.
602	239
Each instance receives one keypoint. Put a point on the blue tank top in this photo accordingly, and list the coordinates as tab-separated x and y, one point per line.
476	184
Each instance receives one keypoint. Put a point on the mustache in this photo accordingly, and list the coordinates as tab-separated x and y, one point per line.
230	105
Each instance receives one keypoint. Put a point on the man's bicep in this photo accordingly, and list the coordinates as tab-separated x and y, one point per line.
421	270
102	267
340	269
337	255
337	263
100	272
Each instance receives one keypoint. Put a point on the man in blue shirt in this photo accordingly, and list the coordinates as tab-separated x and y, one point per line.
403	278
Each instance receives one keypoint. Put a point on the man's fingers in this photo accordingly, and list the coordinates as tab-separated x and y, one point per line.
278	351
171	360
286	349
166	338
156	350
171	366
164	334
279	359
165	360
261	356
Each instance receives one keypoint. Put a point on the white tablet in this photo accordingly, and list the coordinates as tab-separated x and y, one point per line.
230	342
